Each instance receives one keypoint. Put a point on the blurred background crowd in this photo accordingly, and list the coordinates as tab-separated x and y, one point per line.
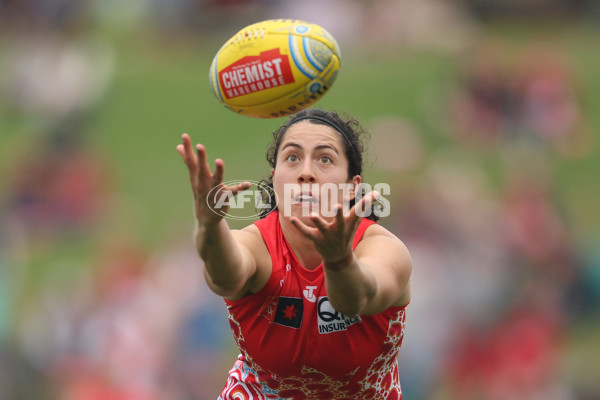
482	118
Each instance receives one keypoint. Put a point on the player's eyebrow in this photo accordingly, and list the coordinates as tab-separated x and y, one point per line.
318	147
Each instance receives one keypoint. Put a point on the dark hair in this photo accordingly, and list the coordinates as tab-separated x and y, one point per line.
349	128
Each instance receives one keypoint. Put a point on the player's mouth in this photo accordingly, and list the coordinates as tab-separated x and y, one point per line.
305	199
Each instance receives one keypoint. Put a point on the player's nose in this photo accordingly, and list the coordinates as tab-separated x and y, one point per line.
306	173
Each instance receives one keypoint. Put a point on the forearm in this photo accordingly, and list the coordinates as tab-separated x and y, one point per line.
350	285
222	256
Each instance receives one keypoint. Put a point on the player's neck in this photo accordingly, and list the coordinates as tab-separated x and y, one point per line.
303	248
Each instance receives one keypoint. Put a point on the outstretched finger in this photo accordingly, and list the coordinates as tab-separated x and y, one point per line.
302	228
189	150
202	161
362	208
185	151
189	158
339	215
318	222
181	150
235	189
219	173
349	217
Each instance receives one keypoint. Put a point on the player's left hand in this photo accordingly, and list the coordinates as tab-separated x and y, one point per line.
333	239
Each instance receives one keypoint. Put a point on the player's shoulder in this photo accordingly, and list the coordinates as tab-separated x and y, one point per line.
378	239
250	233
375	230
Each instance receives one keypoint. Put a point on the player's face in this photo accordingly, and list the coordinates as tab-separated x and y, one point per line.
311	173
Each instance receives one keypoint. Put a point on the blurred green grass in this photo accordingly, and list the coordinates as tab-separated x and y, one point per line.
160	90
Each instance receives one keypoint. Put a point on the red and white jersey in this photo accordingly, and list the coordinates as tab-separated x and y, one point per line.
294	345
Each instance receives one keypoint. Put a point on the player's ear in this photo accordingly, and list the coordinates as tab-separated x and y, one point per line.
354	186
272	171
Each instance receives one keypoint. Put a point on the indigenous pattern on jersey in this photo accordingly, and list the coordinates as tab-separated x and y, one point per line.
290	327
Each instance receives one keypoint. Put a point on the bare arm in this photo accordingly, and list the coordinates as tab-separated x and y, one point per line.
372	278
229	265
369	279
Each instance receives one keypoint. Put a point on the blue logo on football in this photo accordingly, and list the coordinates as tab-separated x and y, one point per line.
302	29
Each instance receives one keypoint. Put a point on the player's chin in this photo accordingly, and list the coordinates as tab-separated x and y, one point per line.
304	213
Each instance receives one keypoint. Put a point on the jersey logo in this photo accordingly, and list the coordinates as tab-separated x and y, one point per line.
331	320
289	312
268	308
309	295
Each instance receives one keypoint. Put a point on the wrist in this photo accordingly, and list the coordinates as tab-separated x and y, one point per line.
208	225
207	233
340	264
208	222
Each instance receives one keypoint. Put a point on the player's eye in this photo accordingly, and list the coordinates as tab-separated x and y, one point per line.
325	159
292	158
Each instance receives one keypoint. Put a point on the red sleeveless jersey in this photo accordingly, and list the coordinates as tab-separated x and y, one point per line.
294	345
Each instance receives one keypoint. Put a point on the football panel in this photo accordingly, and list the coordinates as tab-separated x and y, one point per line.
274	67
255	78
293	102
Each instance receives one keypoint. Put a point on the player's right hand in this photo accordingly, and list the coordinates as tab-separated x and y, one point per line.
205	184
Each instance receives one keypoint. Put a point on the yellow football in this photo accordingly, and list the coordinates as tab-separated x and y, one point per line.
274	68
